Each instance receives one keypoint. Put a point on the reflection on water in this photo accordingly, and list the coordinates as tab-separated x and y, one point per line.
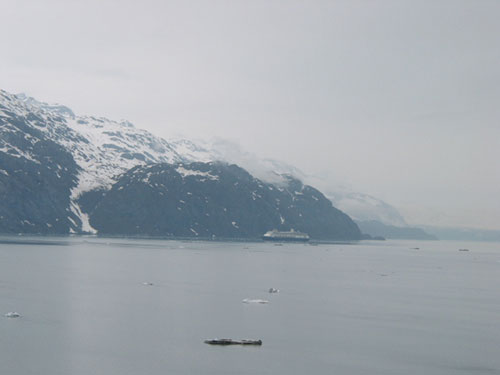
122	306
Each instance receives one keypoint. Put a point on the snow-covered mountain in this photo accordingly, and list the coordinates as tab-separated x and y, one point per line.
102	148
359	206
94	152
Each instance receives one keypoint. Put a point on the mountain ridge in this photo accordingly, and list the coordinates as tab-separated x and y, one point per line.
90	155
213	199
102	148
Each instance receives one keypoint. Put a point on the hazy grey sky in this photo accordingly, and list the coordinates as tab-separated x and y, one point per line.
399	99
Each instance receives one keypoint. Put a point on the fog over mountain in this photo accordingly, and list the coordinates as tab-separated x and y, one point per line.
358	205
63	173
395	99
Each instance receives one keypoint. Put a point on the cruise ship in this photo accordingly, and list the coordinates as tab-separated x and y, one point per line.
275	235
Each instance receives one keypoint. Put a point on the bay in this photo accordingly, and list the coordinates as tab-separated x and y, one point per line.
137	306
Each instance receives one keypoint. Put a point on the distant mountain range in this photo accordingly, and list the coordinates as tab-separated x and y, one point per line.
63	173
59	173
377	229
463	234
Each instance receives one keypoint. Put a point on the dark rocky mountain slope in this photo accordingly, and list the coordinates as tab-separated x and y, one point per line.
36	177
211	199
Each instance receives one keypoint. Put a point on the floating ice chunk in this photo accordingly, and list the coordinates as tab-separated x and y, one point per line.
273	290
248	300
12	314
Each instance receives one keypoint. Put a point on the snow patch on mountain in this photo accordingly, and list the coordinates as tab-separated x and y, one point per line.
16	152
84	218
189	172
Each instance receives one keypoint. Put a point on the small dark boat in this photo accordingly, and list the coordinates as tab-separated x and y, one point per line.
233	342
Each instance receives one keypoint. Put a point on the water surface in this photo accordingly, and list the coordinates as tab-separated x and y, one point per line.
367	308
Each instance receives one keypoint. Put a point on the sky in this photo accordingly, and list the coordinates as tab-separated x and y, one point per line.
397	99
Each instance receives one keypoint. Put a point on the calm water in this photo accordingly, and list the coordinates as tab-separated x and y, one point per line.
369	308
